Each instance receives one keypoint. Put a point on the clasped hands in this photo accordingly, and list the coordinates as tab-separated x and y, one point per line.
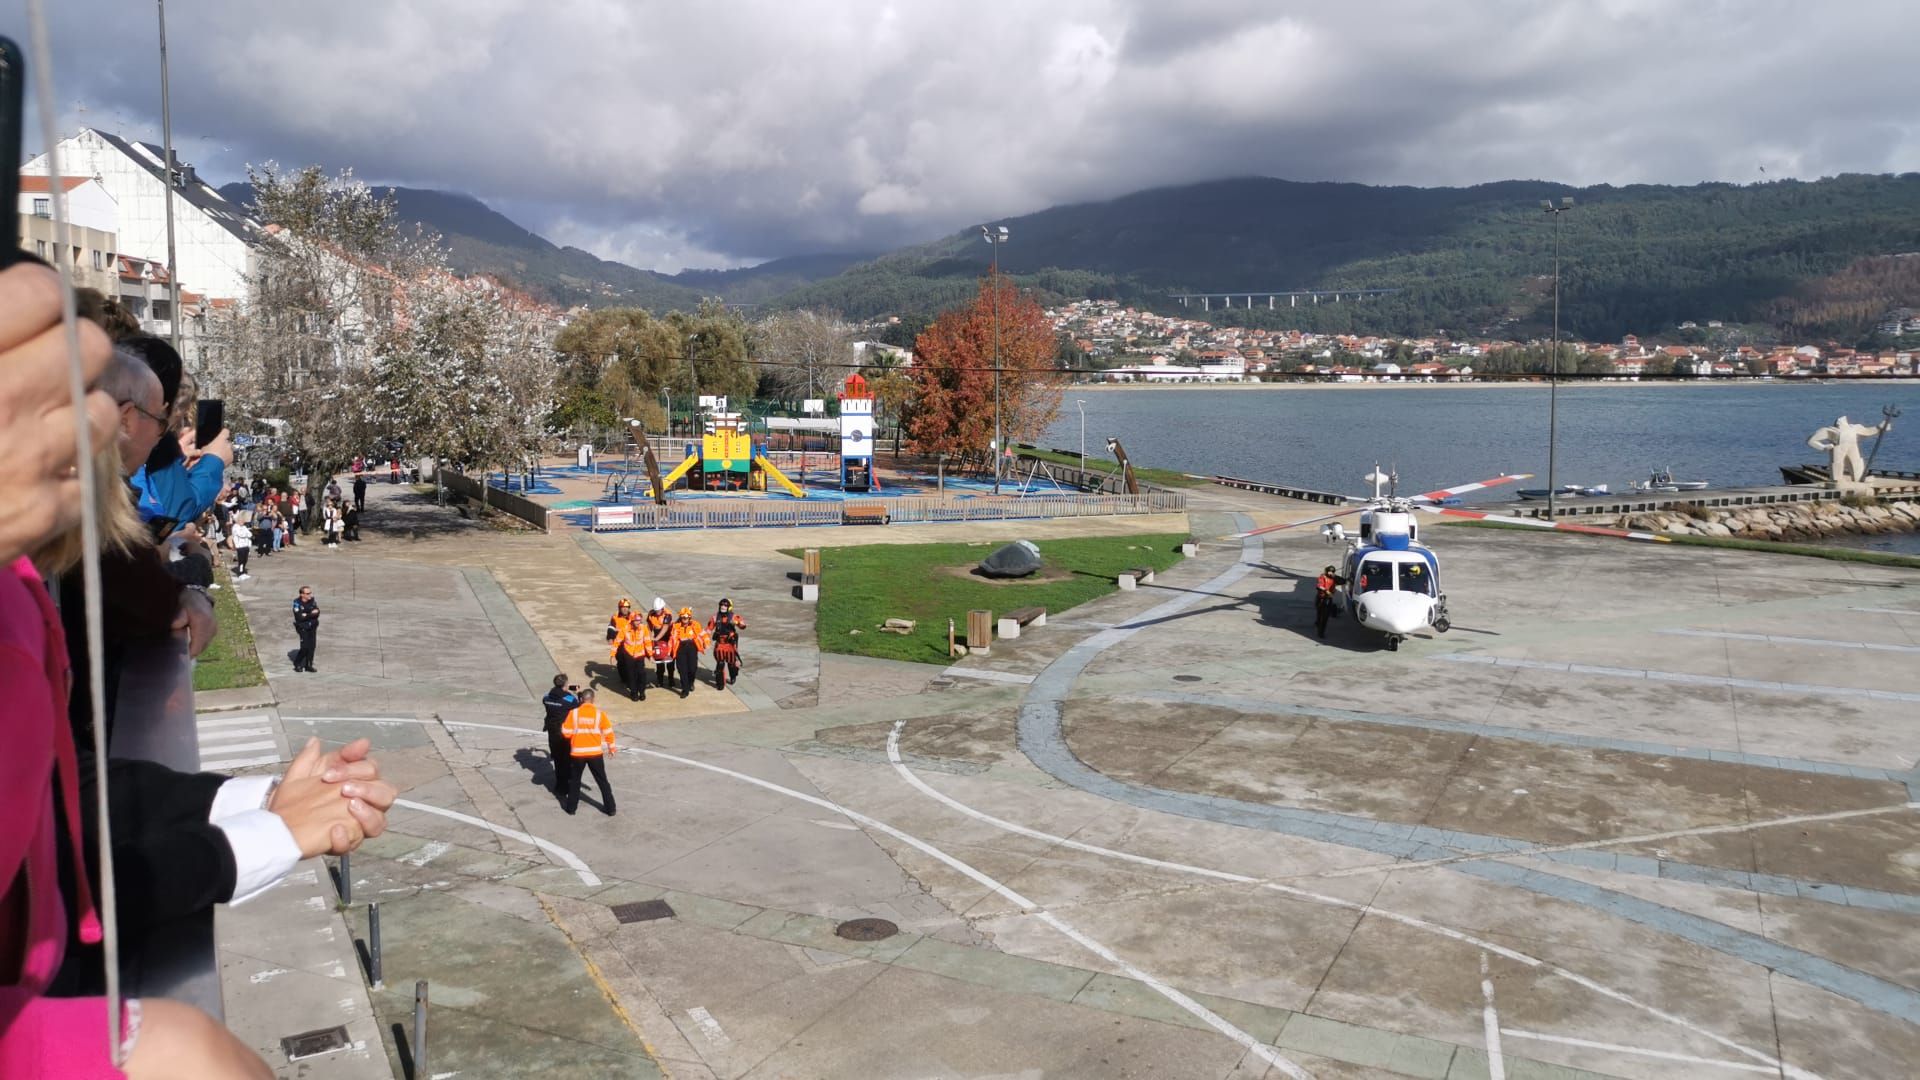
332	801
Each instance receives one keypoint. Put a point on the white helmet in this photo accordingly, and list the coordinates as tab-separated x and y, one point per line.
658	604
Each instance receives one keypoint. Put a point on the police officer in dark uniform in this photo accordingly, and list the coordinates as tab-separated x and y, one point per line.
306	623
560	701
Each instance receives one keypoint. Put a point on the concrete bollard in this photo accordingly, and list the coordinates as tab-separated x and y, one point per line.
1126	582
1189	549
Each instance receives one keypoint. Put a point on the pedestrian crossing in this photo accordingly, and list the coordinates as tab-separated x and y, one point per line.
229	742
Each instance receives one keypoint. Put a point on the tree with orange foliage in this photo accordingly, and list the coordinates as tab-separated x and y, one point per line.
952	373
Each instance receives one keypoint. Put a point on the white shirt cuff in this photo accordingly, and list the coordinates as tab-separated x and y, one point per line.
239	794
263	851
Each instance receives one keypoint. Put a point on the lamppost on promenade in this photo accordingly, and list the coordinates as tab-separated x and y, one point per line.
1081	404
171	170
1553	380
995	236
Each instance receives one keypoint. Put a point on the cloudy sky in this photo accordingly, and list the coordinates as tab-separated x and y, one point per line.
719	133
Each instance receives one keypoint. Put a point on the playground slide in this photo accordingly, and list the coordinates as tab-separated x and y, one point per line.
686	464
767	467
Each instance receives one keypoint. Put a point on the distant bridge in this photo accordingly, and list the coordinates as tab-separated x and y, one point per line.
1273	295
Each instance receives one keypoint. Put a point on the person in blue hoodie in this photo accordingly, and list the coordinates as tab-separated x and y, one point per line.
179	481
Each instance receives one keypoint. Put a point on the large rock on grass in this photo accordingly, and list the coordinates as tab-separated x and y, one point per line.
1017	560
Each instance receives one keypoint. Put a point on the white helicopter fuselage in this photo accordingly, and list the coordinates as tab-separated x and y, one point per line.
1392	581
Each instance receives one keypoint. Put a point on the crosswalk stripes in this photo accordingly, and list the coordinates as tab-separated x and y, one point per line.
229	742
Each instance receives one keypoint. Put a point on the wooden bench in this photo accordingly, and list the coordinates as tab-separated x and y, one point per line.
1139	575
864	514
1012	621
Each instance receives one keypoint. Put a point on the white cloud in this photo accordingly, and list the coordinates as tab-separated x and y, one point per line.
658	131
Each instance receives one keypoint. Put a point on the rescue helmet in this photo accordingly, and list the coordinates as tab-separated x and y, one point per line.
1328	570
686	613
659	604
725	604
626	603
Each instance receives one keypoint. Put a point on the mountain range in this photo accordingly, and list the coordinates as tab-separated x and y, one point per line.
1480	259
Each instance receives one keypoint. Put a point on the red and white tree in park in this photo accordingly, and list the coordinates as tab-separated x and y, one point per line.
952	373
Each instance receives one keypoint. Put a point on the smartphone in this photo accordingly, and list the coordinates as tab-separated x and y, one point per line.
13	80
209	419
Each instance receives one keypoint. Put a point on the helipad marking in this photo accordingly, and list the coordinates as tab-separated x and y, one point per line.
1490	1022
912	778
1678	677
1588	1044
1207	1016
579	866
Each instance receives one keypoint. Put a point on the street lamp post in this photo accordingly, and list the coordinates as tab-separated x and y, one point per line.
1081	404
995	236
1553	380
166	147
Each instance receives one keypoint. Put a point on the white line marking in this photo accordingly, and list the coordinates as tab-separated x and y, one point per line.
1590	845
316	903
225	764
1259	1049
1490	1020
1779	639
1618	1049
233	721
431	851
710	1027
825	824
1884	610
587	876
989	675
1687	678
236	748
259	977
406	720
900	767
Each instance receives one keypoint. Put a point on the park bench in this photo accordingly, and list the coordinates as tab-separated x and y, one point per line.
865	514
1139	575
1013	621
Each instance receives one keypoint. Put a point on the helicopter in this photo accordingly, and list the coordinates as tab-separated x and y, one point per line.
1390	581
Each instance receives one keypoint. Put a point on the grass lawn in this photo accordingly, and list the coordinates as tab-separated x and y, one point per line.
1877	558
862	587
229	660
1163	477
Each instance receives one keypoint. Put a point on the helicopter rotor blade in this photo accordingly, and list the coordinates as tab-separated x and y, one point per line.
1563	526
1447	493
1349	512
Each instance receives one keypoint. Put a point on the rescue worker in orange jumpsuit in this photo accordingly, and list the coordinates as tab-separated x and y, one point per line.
590	735
725	626
660	632
622	615
1324	606
629	655
689	641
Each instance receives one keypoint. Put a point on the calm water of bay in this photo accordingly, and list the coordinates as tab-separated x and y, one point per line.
1328	439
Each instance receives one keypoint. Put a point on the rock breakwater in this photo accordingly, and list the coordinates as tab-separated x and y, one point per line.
1788	522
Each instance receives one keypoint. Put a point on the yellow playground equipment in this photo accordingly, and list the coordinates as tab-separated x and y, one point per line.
727	460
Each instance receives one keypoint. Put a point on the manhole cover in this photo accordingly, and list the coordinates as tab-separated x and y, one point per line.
866	930
1186	678
314	1043
642	911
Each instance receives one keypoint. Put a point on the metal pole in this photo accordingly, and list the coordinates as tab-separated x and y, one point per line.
166	145
1553	380
1082	406
994	280
420	1029
346	879
373	944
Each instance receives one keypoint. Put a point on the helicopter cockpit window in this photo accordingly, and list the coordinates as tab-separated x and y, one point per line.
1415	577
1375	575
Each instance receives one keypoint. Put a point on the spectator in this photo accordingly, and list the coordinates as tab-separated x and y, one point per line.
242	541
178	480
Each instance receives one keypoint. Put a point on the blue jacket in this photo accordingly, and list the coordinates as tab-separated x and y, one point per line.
177	493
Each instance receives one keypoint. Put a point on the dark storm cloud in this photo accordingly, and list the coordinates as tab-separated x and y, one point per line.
675	134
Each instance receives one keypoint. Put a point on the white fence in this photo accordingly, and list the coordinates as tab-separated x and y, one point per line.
744	514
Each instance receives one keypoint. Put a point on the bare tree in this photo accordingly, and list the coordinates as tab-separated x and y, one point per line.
807	352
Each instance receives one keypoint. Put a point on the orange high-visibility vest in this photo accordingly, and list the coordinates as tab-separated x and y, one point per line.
633	639
589	731
659	624
690	631
618	624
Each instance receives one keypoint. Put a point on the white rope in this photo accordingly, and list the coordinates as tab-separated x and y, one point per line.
89	523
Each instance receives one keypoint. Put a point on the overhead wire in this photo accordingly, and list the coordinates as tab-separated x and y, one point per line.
42	72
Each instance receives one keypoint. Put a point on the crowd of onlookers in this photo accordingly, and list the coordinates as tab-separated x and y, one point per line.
163	513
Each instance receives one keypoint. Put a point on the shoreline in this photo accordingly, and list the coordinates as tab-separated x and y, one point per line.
1505	384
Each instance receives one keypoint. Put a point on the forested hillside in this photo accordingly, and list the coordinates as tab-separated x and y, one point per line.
1635	259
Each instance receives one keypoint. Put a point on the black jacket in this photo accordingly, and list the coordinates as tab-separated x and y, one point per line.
306	614
558	703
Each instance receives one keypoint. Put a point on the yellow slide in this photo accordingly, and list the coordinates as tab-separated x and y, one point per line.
767	467
687	463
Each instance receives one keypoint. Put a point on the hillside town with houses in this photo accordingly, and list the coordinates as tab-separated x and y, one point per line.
1127	344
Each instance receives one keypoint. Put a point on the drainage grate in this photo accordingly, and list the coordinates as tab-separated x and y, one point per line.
314	1043
866	930
642	911
1186	678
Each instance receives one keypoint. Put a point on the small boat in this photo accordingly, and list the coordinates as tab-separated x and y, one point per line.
1565	491
1662	480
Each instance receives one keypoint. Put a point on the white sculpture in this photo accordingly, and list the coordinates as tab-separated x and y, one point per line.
1841	441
